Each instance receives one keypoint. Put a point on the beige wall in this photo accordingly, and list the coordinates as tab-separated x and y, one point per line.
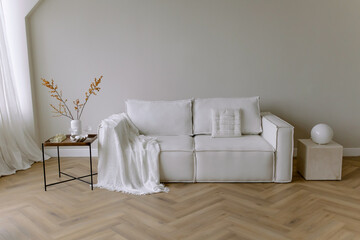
301	56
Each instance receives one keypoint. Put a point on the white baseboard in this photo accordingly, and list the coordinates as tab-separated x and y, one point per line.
71	152
351	152
295	152
347	152
84	152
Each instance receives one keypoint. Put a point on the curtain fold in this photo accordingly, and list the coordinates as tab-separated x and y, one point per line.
17	149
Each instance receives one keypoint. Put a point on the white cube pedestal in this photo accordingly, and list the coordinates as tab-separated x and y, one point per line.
319	162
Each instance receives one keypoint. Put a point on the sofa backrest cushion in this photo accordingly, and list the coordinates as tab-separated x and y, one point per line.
164	118
249	107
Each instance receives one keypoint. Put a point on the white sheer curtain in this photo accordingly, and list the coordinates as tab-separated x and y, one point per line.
17	149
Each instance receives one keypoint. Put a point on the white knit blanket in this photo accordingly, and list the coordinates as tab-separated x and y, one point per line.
128	162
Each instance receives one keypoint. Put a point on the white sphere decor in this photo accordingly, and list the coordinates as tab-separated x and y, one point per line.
322	133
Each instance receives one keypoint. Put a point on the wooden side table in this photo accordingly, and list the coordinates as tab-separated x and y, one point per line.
319	162
91	138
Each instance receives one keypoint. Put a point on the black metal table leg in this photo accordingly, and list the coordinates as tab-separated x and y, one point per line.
91	173
58	161
43	155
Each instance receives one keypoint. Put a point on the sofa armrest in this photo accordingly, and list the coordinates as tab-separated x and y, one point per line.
280	135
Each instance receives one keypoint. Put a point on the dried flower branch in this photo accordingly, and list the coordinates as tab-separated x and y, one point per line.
93	90
62	109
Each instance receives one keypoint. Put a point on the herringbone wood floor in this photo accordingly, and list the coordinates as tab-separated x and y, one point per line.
299	210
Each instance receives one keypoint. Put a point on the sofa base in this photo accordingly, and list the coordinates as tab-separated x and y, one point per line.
234	166
218	166
177	167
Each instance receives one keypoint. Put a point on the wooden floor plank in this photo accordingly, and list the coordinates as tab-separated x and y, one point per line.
298	210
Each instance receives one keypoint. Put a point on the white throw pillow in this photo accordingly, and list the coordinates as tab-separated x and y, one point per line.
226	123
164	118
250	113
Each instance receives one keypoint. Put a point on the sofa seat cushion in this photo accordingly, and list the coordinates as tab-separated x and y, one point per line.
175	143
254	143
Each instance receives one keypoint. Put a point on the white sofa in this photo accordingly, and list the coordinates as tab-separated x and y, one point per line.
189	153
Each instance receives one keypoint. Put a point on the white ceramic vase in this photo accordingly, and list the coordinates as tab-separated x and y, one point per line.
76	127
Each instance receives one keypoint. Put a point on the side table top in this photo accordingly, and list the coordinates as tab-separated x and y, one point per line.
89	140
310	143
